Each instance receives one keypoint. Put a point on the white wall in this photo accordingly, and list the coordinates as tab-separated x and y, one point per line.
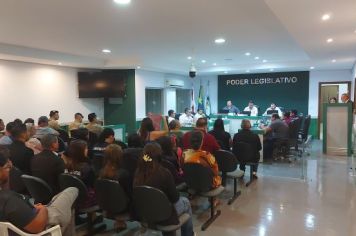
148	79
32	90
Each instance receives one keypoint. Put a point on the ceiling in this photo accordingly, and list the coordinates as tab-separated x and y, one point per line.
159	35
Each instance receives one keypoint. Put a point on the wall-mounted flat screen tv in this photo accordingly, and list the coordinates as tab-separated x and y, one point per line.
103	84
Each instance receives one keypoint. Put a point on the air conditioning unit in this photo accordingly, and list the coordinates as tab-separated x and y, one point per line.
175	83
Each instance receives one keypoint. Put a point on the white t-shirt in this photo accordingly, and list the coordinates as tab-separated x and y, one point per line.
185	120
170	119
276	109
196	117
254	110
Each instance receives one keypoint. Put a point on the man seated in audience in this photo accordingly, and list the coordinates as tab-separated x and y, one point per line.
252	109
43	128
47	165
7	138
77	123
186	119
94	125
171	116
35	218
209	142
53	120
196	154
2	127
273	107
247	136
32	142
199	114
277	130
20	155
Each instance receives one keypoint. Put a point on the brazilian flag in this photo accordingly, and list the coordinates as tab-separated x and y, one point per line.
201	99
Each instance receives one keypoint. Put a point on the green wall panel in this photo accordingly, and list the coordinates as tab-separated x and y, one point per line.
124	113
313	128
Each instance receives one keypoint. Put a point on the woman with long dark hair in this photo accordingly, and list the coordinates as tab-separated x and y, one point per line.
221	136
151	173
147	131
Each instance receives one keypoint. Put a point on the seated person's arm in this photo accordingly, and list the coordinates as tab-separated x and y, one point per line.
39	223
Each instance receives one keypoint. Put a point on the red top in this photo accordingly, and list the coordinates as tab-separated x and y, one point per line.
209	142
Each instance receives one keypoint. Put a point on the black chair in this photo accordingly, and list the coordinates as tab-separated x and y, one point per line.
112	199
245	155
39	190
199	180
16	183
227	163
294	128
68	180
152	206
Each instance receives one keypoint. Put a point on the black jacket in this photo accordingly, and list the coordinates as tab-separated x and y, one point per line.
21	156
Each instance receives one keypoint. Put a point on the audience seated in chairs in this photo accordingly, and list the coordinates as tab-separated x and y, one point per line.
7	138
248	137
21	155
134	141
77	163
106	138
197	155
209	142
147	131
150	173
43	128
2	127
33	143
47	165
223	137
35	218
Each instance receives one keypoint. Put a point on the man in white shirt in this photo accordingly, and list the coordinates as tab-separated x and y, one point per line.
186	119
198	115
273	107
171	116
251	108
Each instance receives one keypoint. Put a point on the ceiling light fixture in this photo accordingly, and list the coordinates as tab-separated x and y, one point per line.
256	58
59	63
264	61
271	69
330	40
225	72
189	58
247	54
138	67
214	64
122	2
247	71
203	61
106	51
333	61
312	67
325	17
220	40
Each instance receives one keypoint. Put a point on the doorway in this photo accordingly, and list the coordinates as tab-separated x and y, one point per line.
328	90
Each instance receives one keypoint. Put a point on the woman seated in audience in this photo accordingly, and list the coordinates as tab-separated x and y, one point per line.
286	117
147	131
223	137
33	143
174	131
170	158
197	155
149	172
134	141
106	138
77	163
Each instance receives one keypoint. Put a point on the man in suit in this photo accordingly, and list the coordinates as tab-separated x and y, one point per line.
47	165
20	155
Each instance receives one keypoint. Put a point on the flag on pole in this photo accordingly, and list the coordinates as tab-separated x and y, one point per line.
207	102
192	101
201	98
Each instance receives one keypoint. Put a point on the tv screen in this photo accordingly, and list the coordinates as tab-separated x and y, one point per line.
104	84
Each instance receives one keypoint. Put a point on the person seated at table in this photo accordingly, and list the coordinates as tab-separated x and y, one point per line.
77	123
276	131
247	136
94	125
197	155
199	114
230	108
273	109
186	119
147	131
171	116
252	109
223	137
53	120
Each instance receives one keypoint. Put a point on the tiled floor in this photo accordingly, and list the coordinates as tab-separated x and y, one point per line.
281	203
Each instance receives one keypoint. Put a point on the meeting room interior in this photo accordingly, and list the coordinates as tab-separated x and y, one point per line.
163	117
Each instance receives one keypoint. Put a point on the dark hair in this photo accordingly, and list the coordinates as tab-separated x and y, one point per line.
186	109
201	122
107	132
4	155
78	114
10	126
112	161
29	121
146	127
166	145
286	114
196	138
76	153
134	141
294	111
170	112
333	98
147	168
52	113
219	125
47	141
91	117
18	121
251	102
81	133
275	116
42	119
3	160
173	124
18	130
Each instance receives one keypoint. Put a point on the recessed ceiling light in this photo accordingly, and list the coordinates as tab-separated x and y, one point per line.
106	51
330	40
333	61
247	71
271	69
264	61
256	58
123	2
225	72
247	54
220	40
60	63
203	61
325	17
138	67
312	67
214	64
189	58
355	31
